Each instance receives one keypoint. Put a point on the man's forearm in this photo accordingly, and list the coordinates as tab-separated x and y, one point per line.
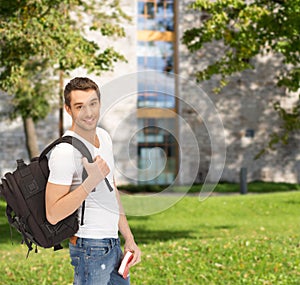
124	228
127	234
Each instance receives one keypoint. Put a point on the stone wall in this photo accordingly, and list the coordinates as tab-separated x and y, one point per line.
12	137
246	109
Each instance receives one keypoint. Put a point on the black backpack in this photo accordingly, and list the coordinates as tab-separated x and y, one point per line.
24	193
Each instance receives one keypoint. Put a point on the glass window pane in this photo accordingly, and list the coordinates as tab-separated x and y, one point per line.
156	15
156	90
156	56
140	8
155	100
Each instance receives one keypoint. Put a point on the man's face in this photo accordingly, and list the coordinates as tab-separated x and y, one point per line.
84	109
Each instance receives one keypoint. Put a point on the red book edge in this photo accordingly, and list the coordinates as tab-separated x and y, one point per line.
124	269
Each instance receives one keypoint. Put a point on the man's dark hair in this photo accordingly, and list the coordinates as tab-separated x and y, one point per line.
79	83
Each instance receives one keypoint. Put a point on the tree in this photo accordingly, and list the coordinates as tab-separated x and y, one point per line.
247	29
41	39
31	99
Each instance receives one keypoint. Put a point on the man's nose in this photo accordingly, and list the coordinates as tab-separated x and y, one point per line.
88	111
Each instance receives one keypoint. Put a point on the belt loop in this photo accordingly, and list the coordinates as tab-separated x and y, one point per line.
81	242
112	242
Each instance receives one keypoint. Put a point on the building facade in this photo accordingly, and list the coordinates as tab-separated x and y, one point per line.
166	128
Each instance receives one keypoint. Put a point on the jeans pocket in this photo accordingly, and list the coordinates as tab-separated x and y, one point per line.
98	252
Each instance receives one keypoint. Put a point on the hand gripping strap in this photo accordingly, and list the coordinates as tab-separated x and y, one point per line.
80	146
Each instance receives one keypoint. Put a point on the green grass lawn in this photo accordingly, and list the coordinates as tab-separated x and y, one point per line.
239	239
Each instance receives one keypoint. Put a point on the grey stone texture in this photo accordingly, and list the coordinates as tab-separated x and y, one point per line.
245	105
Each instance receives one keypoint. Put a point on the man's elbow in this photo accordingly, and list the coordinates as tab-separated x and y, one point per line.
51	218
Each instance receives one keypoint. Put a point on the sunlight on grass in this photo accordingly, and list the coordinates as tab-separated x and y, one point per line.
144	205
240	239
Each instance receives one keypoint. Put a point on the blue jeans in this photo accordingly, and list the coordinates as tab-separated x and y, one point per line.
96	262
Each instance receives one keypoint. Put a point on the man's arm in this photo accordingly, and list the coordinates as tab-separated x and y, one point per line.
127	234
61	202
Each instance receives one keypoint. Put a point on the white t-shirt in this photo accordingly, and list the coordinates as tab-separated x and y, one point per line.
101	214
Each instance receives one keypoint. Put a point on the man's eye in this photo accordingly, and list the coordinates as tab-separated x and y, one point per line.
78	107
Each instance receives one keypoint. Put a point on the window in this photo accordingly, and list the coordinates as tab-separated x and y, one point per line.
156	151
157	146
156	15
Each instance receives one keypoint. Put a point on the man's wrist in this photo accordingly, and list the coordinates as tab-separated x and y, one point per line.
88	185
128	238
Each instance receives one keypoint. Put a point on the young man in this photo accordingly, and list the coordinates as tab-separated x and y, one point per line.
95	249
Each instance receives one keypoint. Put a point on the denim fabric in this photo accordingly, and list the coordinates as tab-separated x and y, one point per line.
96	262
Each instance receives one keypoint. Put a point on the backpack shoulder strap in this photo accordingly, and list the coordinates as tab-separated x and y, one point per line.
85	152
78	144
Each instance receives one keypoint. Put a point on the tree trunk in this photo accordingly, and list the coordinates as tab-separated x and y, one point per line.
31	138
61	104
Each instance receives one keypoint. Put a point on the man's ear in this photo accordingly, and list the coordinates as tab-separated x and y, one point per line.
68	109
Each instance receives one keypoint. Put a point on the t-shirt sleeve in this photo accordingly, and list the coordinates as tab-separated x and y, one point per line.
62	164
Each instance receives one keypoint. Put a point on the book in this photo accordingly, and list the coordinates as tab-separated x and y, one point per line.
124	268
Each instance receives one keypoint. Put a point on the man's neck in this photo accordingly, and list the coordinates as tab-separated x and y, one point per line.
90	136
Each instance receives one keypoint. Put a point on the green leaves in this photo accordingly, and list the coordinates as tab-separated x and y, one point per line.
247	30
243	30
41	37
234	25
32	93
